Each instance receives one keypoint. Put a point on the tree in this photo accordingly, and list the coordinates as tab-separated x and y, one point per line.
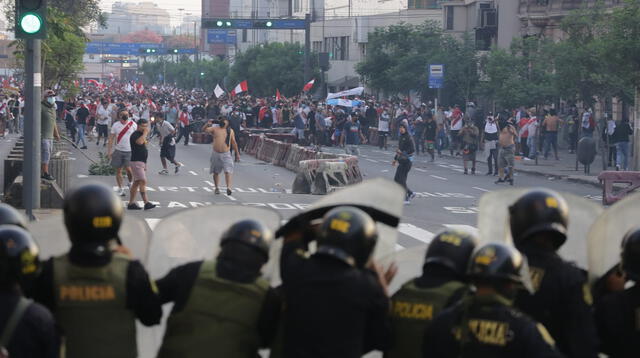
83	12
272	66
184	73
145	36
62	51
179	41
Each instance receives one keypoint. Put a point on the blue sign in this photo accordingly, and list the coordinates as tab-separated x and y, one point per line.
436	76
288	24
115	48
265	24
221	36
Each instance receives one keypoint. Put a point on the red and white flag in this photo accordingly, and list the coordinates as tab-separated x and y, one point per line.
278	95
308	86
241	87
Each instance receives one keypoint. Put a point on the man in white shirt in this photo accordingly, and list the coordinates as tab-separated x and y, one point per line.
121	156
103	118
167	135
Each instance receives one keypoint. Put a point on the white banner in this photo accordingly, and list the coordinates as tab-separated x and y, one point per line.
219	92
352	92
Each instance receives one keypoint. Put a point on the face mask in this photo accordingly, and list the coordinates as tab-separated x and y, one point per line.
51	100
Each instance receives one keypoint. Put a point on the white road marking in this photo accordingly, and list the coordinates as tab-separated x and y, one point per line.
421	170
416	232
437	177
230	197
192	172
82	176
399	247
371	160
152	222
466	228
481	189
385	170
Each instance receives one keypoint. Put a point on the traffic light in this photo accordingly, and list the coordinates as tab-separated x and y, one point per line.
149	51
223	23
262	24
31	19
174	50
201	74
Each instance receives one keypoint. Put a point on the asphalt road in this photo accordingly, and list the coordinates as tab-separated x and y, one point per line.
445	197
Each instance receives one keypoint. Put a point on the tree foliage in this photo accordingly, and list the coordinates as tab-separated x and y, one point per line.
272	66
184	73
143	36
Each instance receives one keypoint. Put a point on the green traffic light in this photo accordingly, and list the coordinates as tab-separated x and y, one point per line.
219	23
269	24
228	23
201	73
175	50
30	23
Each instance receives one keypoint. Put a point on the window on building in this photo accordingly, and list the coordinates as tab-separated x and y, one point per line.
316	46
244	35
422	4
449	17
337	47
297	5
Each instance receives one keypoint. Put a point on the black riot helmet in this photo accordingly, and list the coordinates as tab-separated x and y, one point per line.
630	262
92	214
348	234
10	216
497	262
451	249
19	261
250	233
539	211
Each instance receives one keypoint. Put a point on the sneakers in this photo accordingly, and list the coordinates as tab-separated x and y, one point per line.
83	147
134	206
217	191
178	167
229	192
473	171
47	176
500	180
412	196
163	172
407	202
122	192
148	206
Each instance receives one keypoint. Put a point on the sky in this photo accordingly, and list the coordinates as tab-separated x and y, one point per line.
190	6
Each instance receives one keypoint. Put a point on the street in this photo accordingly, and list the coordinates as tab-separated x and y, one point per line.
445	197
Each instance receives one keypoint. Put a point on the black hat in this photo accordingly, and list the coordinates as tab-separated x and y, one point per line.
19	261
497	262
539	211
249	232
348	234
451	249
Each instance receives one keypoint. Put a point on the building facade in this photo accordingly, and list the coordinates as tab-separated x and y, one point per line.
127	17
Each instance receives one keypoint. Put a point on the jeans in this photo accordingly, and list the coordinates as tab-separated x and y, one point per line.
183	131
622	153
420	148
81	128
533	146
492	161
551	140
401	176
441	141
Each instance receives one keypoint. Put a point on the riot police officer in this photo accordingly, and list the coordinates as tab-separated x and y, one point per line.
222	307
27	329
561	298
617	313
485	324
94	291
335	306
10	216
442	284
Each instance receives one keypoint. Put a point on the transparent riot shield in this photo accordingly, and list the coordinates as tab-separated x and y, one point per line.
52	237
493	221
606	233
382	199
194	234
409	262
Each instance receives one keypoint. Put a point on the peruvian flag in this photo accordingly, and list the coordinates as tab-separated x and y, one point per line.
241	87
308	86
278	95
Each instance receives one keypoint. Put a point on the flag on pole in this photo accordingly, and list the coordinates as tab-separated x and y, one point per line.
308	86
218	91
241	87
278	95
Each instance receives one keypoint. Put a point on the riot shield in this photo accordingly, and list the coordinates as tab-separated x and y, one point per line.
51	235
382	199
493	221
606	233
194	234
409	262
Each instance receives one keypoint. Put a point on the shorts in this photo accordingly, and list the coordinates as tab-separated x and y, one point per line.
103	130
468	154
168	151
506	157
92	122
45	150
431	144
120	159
138	169
220	162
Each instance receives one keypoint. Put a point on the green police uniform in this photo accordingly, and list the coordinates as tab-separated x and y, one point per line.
91	309
216	308
412	309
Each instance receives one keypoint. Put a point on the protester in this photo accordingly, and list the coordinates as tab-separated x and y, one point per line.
121	132
139	154
223	141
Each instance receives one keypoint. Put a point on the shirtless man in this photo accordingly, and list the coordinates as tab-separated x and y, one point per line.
223	140
506	156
